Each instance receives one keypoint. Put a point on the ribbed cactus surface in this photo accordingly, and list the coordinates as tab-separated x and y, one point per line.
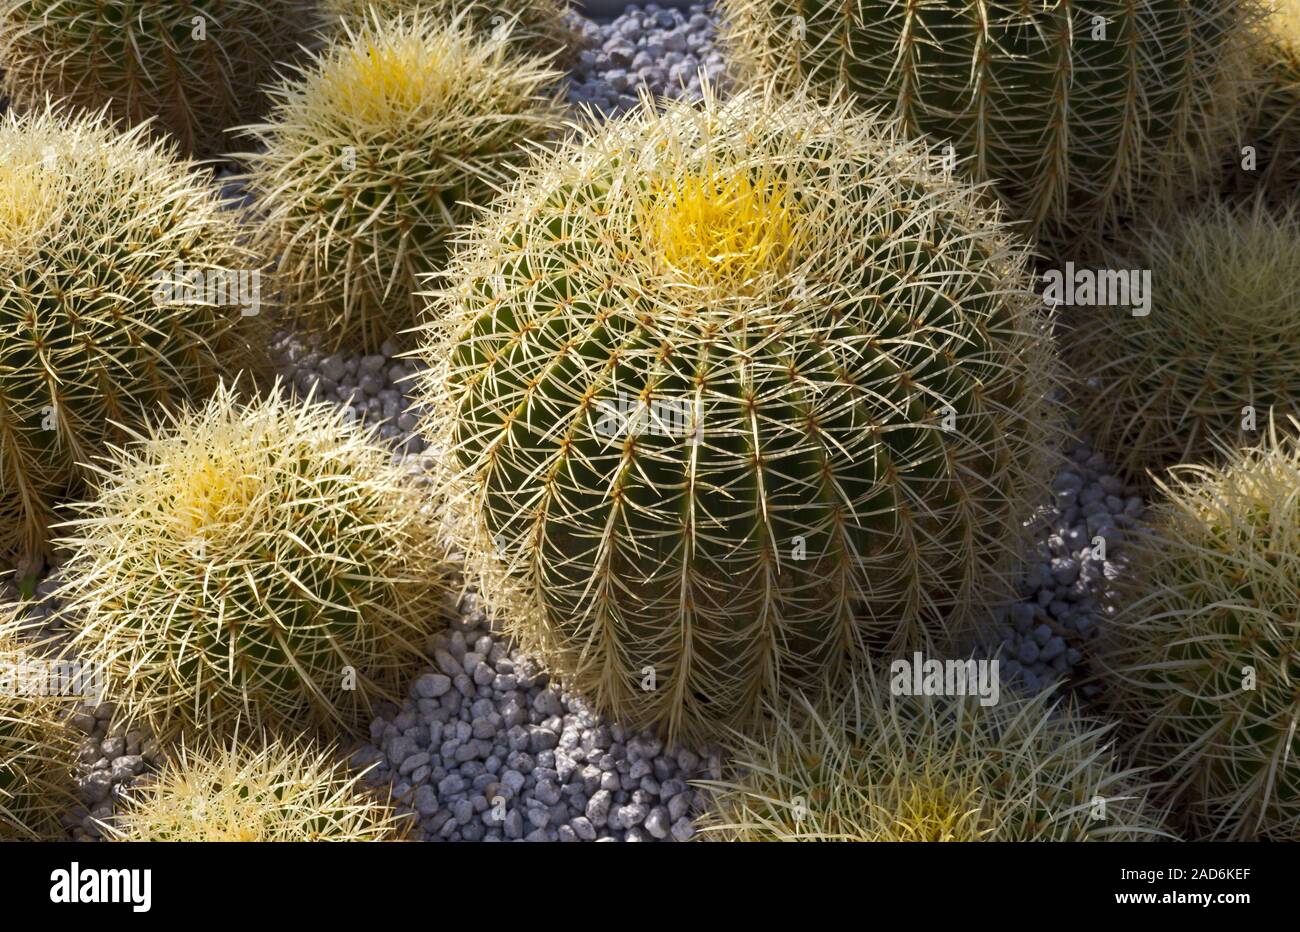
1076	108
738	392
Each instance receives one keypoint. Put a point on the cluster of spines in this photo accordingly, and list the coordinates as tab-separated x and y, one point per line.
1203	654
255	791
535	25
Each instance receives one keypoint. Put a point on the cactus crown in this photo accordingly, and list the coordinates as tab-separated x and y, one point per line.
1077	109
694	371
1202	649
299	554
373	154
264	791
869	766
724	226
91	222
1215	347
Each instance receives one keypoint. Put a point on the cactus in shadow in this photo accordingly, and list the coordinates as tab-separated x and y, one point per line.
1201	657
1215	352
871	766
1081	111
195	67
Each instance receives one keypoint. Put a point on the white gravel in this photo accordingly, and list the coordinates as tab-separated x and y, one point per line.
486	748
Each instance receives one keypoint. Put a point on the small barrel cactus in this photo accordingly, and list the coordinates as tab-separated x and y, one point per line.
1077	109
1201	655
735	393
259	560
375	153
193	66
260	791
1212	354
872	766
122	280
36	746
536	25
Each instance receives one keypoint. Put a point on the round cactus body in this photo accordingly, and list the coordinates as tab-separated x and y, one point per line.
1203	654
871	766
194	66
1077	109
536	25
259	561
375	153
95	228
36	747
736	393
272	792
1214	353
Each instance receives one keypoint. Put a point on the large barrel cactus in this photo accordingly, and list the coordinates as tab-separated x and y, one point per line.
1078	109
120	280
736	394
1202	653
194	66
